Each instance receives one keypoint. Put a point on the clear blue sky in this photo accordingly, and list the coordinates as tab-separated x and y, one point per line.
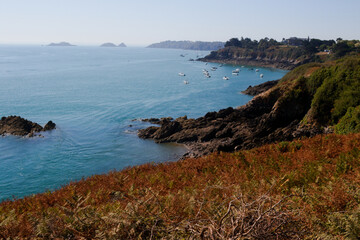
142	22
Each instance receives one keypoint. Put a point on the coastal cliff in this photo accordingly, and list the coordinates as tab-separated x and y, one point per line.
287	54
267	118
299	105
283	57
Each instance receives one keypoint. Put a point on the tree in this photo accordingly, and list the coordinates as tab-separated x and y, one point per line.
339	40
233	42
341	48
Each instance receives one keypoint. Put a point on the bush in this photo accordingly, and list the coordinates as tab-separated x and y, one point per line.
350	122
339	90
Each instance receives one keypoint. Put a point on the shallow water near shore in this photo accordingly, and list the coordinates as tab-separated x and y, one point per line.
93	94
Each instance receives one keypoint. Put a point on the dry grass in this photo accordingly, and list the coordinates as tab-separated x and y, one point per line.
288	190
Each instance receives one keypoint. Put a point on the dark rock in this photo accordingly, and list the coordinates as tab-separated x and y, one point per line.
181	119
15	125
165	120
160	121
210	115
151	120
49	126
226	132
224	112
260	88
167	129
267	118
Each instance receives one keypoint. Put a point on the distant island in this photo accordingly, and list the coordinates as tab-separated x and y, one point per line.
61	44
108	45
112	45
189	45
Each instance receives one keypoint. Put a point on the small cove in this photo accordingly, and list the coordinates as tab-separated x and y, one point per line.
93	94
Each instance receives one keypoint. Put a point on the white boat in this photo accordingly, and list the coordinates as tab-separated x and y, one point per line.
236	71
182	74
256	70
261	75
225	78
207	75
186	82
213	68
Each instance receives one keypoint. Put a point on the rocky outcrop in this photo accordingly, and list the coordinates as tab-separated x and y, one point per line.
49	126
255	90
269	117
15	125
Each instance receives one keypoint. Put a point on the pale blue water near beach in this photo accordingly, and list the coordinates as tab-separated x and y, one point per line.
92	94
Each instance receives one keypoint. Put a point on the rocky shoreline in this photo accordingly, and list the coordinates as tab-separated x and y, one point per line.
255	90
18	126
284	65
264	119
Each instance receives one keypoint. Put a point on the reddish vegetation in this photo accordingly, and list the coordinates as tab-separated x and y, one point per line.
317	177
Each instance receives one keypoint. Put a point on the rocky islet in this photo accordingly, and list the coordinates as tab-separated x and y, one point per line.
18	126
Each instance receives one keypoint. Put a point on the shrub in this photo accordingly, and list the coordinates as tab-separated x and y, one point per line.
339	90
350	122
283	146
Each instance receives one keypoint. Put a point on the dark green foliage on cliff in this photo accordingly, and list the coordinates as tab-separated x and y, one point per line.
342	48
311	46
287	54
298	97
188	45
337	89
350	122
329	91
247	43
300	71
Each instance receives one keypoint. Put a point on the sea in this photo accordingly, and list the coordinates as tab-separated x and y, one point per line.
97	97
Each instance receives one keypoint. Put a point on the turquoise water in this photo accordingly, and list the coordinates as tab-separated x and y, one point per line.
93	94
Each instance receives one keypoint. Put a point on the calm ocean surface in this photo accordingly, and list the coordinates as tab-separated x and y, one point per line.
93	94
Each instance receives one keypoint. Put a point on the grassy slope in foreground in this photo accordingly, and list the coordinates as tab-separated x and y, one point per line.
306	188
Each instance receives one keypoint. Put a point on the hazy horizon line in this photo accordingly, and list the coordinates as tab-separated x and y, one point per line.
141	44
